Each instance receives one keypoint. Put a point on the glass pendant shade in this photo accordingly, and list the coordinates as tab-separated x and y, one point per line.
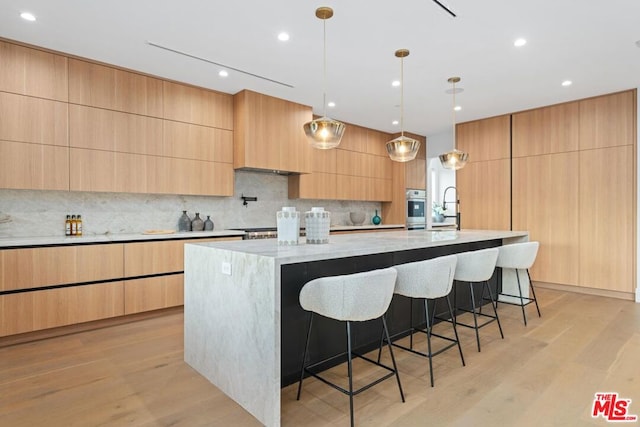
455	159
324	133
403	149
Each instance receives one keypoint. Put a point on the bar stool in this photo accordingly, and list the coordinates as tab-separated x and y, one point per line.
473	267
429	280
519	256
350	298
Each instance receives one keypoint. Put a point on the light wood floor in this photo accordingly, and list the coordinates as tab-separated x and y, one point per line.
542	374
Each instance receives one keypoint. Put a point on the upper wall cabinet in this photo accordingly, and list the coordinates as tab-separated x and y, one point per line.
198	106
105	87
487	139
546	130
32	72
268	133
608	121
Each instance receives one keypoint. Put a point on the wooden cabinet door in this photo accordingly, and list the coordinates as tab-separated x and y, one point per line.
33	311
198	106
33	166
38	267
608	121
484	190
607	218
110	88
33	72
554	129
153	293
34	120
487	139
545	203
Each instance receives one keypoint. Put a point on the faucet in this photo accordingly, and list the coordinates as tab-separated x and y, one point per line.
457	205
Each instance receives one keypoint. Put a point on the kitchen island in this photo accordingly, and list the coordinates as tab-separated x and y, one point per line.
244	328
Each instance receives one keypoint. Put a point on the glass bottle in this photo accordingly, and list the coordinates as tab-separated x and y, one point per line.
67	226
376	220
73	225
197	224
79	225
208	224
184	223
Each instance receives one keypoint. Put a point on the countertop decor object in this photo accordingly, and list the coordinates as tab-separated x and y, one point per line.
158	231
324	133
184	223
288	222
317	222
402	148
376	220
197	224
357	218
208	224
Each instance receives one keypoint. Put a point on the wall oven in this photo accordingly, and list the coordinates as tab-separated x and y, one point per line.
416	209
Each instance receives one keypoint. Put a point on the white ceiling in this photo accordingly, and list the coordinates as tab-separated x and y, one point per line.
591	42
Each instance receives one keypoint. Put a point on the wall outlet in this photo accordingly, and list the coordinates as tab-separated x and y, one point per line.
226	268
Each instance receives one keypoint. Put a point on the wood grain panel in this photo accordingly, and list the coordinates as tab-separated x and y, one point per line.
106	87
395	212
607	218
608	121
324	161
554	129
268	133
32	311
317	185
545	203
37	267
487	139
33	72
153	293
198	106
376	142
355	138
188	141
33	166
101	129
484	192
37	120
93	170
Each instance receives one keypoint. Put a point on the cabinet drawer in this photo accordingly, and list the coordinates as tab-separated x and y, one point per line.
38	267
153	293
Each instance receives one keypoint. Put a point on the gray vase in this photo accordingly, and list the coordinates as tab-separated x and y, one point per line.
197	224
208	224
184	223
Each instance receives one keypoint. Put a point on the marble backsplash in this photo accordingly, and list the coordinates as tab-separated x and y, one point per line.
29	213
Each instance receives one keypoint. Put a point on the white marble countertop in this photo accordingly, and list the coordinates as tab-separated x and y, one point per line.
363	227
346	245
8	242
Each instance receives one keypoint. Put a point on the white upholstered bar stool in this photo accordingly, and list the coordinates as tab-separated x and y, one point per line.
519	256
350	298
429	280
473	267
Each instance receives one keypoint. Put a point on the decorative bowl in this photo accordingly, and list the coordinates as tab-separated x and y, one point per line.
357	218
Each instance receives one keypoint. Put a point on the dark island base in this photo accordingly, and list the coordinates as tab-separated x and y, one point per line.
328	335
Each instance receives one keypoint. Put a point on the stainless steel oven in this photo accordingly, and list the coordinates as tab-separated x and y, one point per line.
416	209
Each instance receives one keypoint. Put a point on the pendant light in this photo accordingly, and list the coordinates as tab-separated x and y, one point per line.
324	133
454	159
402	148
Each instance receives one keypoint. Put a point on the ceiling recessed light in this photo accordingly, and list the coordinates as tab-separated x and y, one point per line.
457	108
395	83
567	83
283	37
331	104
223	73
519	42
28	16
395	122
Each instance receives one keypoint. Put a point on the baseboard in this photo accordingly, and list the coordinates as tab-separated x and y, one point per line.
638	294
629	296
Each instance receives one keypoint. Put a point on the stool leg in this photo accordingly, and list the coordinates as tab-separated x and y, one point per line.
455	331
411	323
475	316
426	316
393	359
533	292
350	373
524	314
494	309
304	357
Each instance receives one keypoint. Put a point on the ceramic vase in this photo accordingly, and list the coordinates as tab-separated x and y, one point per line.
317	222
376	220
208	224
288	222
197	224
184	223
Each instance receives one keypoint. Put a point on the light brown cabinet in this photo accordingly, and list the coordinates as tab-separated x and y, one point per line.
153	293
268	133
199	106
416	169
33	72
608	120
33	120
33	166
484	184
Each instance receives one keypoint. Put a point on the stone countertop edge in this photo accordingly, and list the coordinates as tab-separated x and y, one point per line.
363	227
17	242
349	245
